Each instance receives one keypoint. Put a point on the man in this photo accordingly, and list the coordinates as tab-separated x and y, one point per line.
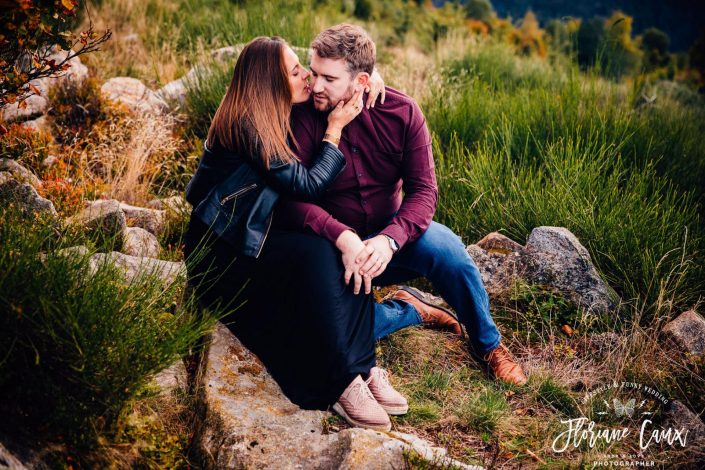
385	238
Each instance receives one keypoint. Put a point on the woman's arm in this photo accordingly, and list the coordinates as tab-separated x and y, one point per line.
303	183
294	179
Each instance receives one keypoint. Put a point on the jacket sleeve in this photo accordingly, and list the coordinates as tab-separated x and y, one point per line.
297	181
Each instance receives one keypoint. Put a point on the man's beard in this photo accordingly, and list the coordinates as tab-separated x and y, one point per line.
328	105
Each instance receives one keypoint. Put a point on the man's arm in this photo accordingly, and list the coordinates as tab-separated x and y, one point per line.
418	182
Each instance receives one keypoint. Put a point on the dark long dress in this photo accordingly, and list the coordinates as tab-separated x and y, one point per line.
309	329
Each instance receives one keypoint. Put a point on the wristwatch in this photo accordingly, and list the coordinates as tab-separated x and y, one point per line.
392	243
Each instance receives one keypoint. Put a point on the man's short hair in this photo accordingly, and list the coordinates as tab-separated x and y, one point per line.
348	42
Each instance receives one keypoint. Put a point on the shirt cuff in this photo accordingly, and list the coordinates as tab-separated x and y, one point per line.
397	233
333	228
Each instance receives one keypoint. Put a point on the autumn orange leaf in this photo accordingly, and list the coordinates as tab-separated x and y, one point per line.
68	4
36	90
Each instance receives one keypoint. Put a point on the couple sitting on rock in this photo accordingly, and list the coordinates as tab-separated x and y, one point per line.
302	203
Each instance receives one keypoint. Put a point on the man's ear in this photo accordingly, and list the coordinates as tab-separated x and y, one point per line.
362	79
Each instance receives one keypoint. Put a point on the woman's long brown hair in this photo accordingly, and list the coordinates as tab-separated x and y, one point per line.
253	118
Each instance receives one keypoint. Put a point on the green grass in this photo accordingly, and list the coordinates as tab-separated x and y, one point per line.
484	411
76	346
644	236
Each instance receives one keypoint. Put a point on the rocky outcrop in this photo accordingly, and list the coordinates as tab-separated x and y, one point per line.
34	105
40	124
247	422
173	379
552	258
19	172
104	216
134	94
687	332
151	220
24	196
139	242
173	203
135	266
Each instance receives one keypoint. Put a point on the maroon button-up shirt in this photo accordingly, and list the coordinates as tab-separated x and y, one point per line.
388	150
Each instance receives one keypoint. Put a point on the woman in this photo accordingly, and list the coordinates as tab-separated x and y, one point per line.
317	343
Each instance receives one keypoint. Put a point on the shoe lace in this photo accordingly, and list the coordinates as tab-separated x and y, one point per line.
359	393
383	377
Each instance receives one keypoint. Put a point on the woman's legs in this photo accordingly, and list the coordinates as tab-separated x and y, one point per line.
313	334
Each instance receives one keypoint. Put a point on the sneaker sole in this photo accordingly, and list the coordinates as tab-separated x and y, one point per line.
420	297
395	410
339	409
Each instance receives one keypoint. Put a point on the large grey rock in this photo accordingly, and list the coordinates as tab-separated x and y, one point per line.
102	215
25	197
40	124
688	333
552	258
246	422
139	242
680	417
19	172
34	105
174	91
173	203
173	379
134	94
152	220
134	266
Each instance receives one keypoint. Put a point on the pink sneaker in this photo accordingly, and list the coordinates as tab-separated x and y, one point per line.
388	398
359	407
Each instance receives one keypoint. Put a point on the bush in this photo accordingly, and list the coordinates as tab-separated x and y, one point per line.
75	346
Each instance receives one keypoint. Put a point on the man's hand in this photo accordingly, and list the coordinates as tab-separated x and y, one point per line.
379	259
355	254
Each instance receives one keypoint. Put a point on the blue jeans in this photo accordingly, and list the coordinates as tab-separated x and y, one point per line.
438	255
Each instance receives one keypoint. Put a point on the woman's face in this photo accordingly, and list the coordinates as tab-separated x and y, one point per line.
298	77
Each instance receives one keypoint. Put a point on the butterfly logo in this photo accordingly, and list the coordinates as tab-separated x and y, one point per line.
624	408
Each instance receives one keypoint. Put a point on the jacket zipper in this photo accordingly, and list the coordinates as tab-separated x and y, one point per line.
269	225
238	193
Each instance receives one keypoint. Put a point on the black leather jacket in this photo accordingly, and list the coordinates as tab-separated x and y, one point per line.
236	197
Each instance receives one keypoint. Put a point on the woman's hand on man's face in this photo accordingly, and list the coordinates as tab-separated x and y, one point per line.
344	112
375	88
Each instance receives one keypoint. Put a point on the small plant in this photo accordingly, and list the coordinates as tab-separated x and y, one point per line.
554	395
27	146
484	411
77	106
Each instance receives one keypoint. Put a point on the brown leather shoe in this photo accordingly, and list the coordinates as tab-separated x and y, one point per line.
433	317
502	365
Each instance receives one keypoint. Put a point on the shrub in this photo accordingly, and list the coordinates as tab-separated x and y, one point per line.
76	106
77	346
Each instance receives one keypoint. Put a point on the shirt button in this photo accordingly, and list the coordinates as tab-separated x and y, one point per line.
354	149
359	174
364	202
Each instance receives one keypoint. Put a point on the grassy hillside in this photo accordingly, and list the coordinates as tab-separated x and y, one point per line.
522	137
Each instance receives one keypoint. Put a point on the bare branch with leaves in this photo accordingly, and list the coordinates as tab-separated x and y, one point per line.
32	32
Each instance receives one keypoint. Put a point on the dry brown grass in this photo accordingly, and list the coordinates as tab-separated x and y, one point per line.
134	50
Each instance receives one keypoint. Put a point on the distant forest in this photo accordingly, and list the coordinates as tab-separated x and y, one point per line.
682	20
